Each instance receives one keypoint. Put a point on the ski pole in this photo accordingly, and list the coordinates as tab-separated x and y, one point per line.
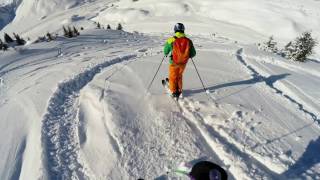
155	74
204	88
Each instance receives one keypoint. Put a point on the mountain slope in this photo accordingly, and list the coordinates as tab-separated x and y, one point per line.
85	113
248	21
79	108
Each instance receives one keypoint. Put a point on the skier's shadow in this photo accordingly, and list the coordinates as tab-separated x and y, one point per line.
256	79
308	159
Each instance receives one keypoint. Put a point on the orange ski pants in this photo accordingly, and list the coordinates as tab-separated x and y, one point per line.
175	77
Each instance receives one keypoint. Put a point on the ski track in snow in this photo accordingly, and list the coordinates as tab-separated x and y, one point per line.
240	164
256	74
245	164
60	130
141	146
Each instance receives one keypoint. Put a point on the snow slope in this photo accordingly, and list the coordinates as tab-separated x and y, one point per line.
259	19
85	114
79	108
35	68
248	21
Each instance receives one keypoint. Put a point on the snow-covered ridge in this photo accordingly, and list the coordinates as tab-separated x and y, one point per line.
30	14
245	20
283	19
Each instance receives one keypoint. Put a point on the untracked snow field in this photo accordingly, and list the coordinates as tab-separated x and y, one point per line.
80	108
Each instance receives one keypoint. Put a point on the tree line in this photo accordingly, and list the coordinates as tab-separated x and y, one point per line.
68	32
297	50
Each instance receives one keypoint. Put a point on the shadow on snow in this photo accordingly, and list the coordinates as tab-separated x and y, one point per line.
308	159
255	79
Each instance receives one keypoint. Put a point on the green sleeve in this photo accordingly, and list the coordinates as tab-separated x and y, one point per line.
167	49
192	51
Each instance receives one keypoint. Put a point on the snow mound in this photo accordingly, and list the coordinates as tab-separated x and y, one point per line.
43	8
28	15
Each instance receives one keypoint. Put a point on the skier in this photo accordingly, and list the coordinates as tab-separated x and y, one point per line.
180	49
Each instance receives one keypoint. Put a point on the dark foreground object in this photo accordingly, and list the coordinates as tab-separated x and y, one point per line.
206	170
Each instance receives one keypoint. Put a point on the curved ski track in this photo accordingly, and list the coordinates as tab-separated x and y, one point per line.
255	73
244	166
60	129
244	161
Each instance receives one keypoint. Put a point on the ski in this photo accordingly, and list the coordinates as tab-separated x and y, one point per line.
165	83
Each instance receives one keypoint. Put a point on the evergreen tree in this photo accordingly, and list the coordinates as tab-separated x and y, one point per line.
70	32
119	27
1	44
40	39
108	27
75	31
5	47
301	48
20	41
65	32
270	45
7	38
286	50
49	36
